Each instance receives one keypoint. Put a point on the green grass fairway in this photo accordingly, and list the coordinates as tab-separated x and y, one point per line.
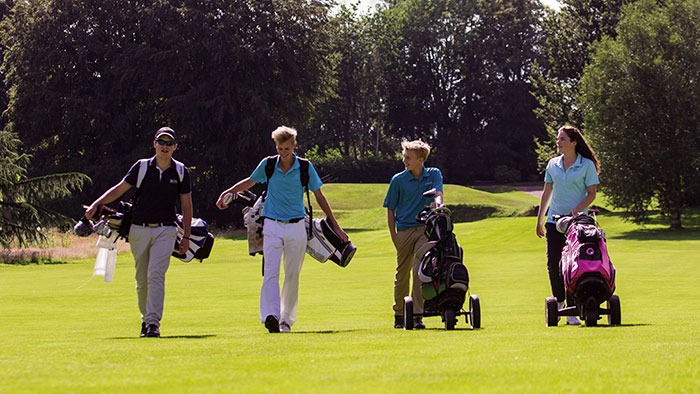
359	206
58	337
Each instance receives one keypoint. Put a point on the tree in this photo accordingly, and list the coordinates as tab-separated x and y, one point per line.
23	212
347	119
455	73
92	79
569	34
640	100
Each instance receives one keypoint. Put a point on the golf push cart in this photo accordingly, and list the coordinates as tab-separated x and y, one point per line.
444	278
589	276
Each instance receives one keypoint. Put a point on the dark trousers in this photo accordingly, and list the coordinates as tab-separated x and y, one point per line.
555	244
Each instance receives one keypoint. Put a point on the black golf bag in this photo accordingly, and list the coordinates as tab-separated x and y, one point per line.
444	278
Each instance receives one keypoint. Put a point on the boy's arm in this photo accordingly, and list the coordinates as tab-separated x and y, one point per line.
186	203
243	184
326	208
110	195
391	220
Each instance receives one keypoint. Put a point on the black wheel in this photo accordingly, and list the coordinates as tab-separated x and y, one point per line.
551	312
408	314
614	314
591	317
450	319
475	311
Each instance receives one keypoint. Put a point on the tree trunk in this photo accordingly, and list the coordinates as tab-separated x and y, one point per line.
675	204
675	212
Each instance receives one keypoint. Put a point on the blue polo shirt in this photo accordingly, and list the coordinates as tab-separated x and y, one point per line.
285	195
405	195
569	187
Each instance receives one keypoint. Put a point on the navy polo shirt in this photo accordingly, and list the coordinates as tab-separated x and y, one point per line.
159	192
405	195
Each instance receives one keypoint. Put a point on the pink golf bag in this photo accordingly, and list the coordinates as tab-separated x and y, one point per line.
585	263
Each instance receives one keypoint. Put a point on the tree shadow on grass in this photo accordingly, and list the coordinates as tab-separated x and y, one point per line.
687	234
651	231
171	337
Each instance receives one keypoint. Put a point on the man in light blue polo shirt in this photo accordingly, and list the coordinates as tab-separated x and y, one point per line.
284	230
404	200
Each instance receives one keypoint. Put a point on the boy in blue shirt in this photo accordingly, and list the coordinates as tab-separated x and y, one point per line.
284	230
404	200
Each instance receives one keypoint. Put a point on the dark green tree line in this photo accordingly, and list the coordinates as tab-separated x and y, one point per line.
91	81
455	73
640	100
568	36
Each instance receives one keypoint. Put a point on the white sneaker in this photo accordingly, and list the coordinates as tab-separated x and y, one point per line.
284	327
570	320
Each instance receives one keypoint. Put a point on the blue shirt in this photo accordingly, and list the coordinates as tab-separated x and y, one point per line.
285	195
405	195
569	187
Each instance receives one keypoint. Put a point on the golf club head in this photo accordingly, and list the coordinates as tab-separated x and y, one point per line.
83	228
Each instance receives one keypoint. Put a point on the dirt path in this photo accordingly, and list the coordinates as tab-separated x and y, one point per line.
531	190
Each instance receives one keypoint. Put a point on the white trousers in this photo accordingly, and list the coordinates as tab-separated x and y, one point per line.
288	239
151	248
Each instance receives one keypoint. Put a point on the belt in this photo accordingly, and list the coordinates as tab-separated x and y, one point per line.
295	220
155	224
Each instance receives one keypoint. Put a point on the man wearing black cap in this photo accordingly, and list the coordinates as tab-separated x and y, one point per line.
153	234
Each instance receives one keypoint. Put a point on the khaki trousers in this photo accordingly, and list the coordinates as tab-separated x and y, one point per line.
407	242
151	248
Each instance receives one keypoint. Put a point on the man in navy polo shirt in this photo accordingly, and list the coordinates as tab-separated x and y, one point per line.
404	200
284	230
153	234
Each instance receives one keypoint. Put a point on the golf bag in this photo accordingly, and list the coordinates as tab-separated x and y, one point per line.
201	240
325	244
444	278
253	221
585	265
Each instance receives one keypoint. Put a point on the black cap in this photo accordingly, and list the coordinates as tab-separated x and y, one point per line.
167	131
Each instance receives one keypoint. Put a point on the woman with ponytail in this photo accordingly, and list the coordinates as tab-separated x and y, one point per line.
570	180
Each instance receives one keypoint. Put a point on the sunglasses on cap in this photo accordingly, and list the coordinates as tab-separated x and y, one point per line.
164	142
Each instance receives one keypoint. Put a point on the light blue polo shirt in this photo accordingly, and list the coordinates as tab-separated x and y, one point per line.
285	195
569	187
405	195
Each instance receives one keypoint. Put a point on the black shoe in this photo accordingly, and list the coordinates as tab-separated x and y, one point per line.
418	323
272	324
398	321
152	331
143	329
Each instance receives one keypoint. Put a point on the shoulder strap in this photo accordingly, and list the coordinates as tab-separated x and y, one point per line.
304	172
180	168
270	166
304	177
143	167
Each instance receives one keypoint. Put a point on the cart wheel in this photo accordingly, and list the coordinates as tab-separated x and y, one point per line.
475	311
408	313
591	317
615	314
450	319
551	312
